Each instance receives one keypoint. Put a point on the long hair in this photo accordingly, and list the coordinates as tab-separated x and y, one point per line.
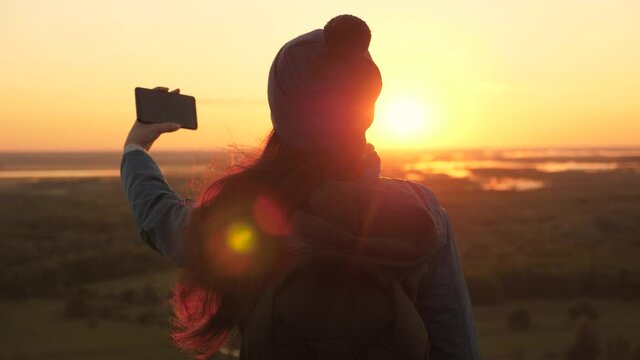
234	239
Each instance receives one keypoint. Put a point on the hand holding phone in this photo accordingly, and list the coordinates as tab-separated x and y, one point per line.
146	133
158	105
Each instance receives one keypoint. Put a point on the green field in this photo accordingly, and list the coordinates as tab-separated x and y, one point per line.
38	328
76	282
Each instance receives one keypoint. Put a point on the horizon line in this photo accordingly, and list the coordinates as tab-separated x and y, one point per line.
377	148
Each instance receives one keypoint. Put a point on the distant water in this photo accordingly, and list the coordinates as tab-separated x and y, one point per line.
34	166
469	164
481	166
85	173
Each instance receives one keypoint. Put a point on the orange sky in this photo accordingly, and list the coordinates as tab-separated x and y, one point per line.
475	73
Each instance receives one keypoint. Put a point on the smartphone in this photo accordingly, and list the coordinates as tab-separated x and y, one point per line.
155	106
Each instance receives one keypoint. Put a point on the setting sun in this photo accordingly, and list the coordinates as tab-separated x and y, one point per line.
485	76
402	122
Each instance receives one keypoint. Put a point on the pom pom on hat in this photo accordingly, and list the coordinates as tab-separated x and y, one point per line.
346	36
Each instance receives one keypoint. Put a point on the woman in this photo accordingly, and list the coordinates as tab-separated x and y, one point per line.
310	182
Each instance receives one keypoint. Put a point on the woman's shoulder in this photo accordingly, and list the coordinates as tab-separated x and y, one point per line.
423	191
427	197
383	192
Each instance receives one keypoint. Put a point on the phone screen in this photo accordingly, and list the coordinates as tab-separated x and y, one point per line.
154	106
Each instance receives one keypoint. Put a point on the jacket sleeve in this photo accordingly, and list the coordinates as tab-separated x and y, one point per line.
159	212
443	300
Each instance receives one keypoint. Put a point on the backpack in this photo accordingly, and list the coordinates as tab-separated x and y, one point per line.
336	302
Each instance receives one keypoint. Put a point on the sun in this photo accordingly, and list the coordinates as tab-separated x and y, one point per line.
401	122
404	117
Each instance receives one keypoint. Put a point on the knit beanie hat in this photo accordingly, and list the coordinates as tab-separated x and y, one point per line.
323	86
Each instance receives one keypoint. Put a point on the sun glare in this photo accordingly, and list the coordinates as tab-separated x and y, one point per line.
404	116
402	122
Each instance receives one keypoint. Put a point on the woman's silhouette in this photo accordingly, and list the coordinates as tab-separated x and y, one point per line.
315	185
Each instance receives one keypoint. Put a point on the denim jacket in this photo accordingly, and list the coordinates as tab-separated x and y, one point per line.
442	298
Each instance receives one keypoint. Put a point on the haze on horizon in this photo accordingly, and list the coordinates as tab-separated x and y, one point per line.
494	73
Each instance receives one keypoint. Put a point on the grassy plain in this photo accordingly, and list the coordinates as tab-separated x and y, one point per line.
72	244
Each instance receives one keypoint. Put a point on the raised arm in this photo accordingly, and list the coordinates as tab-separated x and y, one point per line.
158	211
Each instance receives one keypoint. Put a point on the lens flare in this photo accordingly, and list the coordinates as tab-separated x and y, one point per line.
270	217
241	237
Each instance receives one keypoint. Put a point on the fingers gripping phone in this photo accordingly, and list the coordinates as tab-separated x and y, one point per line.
154	106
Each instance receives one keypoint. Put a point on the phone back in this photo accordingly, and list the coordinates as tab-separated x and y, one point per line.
154	106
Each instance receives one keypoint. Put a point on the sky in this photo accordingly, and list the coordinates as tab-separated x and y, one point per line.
456	74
